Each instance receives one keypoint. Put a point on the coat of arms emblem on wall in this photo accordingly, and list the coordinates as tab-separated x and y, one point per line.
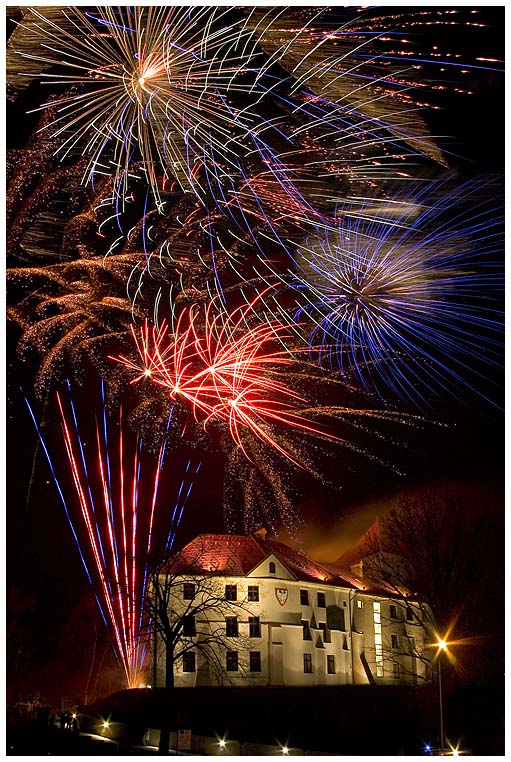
281	593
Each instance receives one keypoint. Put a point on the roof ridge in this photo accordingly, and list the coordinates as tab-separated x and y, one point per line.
240	554
258	541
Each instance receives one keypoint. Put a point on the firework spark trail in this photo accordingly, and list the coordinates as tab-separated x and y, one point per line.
155	80
339	117
119	540
63	501
222	374
91	533
395	293
323	108
134	522
183	88
156	484
84	465
229	372
106	480
157	474
180	505
131	601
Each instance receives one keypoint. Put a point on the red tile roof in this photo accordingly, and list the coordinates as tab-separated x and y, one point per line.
218	554
302	566
237	555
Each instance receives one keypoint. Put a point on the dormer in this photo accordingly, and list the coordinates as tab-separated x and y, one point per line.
272	568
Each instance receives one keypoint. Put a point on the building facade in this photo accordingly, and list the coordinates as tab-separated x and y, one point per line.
286	620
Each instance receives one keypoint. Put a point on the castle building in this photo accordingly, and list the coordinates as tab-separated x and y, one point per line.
286	620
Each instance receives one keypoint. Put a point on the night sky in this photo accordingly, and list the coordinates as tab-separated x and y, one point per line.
44	574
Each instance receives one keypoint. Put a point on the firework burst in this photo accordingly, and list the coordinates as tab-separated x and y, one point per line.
405	293
220	367
242	376
148	81
283	123
188	91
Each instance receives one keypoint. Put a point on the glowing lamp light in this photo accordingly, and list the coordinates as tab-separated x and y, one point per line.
285	750
106	725
441	645
221	743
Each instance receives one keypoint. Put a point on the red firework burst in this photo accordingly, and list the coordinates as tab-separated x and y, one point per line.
227	370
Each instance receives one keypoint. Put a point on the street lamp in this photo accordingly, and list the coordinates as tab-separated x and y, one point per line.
442	646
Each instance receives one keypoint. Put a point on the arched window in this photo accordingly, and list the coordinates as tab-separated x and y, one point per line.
272	567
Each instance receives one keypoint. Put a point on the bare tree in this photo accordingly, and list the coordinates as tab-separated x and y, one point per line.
191	613
439	555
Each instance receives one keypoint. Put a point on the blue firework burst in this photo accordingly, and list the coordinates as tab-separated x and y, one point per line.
404	293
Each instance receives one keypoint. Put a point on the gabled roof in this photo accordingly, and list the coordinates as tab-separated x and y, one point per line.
218	554
304	568
238	555
365	583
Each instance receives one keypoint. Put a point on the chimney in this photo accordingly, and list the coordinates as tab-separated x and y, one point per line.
261	533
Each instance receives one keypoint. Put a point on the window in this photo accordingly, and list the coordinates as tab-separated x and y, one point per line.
231	661
324	632
304	598
307	663
393	611
253	592
330	664
321	601
254	627
394	640
396	671
255	661
231	626
272	567
306	630
411	643
189	662
231	593
378	650
189	627
360	604
188	591
409	614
